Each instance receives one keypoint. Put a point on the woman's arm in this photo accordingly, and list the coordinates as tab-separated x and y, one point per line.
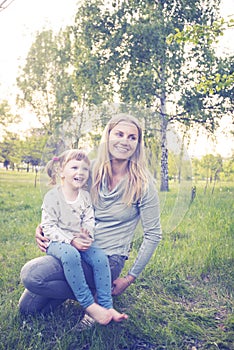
122	283
150	218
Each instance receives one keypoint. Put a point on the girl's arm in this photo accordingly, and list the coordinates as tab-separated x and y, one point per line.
50	227
88	221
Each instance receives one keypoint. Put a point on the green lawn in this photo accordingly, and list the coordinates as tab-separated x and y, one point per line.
183	299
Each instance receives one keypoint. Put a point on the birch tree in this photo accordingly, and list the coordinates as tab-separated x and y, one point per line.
135	59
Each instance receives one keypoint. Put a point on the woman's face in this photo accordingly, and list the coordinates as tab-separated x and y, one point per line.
123	140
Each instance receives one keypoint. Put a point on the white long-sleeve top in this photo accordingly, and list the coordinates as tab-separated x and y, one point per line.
62	220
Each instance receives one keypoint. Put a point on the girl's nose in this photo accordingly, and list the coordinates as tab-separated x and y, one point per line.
80	171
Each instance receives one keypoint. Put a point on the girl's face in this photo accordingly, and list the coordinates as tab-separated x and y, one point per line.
75	173
123	140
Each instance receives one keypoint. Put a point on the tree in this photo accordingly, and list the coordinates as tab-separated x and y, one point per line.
212	165
91	84
14	151
33	147
55	83
6	116
129	41
219	81
228	169
45	80
10	149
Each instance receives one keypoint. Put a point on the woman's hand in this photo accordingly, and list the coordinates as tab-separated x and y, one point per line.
82	241
42	242
122	283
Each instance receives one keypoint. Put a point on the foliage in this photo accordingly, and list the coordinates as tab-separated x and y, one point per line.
6	116
182	300
219	81
17	151
55	83
90	81
210	167
228	170
45	80
39	149
10	148
154	54
211	164
129	41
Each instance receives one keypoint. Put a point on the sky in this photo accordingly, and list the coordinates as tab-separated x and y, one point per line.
19	23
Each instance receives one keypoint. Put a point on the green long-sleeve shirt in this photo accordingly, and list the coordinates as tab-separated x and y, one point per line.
116	223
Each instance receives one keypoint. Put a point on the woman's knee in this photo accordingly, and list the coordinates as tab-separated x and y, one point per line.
116	263
37	272
30	303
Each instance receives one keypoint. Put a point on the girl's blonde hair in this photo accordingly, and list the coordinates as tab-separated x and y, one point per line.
55	165
137	170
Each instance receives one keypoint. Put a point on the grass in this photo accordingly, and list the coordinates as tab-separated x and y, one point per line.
183	299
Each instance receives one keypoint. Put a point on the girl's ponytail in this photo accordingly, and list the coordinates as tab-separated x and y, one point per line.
52	169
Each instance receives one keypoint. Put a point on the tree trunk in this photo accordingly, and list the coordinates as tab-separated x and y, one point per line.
164	157
181	158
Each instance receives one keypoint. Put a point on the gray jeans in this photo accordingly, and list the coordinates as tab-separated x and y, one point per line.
46	286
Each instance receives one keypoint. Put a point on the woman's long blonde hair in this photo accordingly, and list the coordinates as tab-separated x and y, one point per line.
137	170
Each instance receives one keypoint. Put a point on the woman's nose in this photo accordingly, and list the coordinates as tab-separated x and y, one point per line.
125	140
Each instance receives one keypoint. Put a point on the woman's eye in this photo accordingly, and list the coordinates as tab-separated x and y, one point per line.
133	138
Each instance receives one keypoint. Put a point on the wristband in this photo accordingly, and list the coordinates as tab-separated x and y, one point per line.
128	281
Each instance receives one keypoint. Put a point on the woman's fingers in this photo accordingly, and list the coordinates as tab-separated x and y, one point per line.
41	240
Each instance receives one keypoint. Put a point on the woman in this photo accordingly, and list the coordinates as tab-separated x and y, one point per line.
123	193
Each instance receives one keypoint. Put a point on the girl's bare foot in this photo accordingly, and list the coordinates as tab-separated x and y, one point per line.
117	316
99	313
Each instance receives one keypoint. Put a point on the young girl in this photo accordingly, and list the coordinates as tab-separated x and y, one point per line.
68	222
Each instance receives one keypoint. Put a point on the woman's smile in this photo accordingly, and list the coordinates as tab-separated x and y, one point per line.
123	140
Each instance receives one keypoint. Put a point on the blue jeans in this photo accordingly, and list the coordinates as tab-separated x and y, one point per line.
46	287
70	258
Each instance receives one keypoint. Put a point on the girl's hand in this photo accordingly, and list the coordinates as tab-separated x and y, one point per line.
42	242
122	283
82	241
